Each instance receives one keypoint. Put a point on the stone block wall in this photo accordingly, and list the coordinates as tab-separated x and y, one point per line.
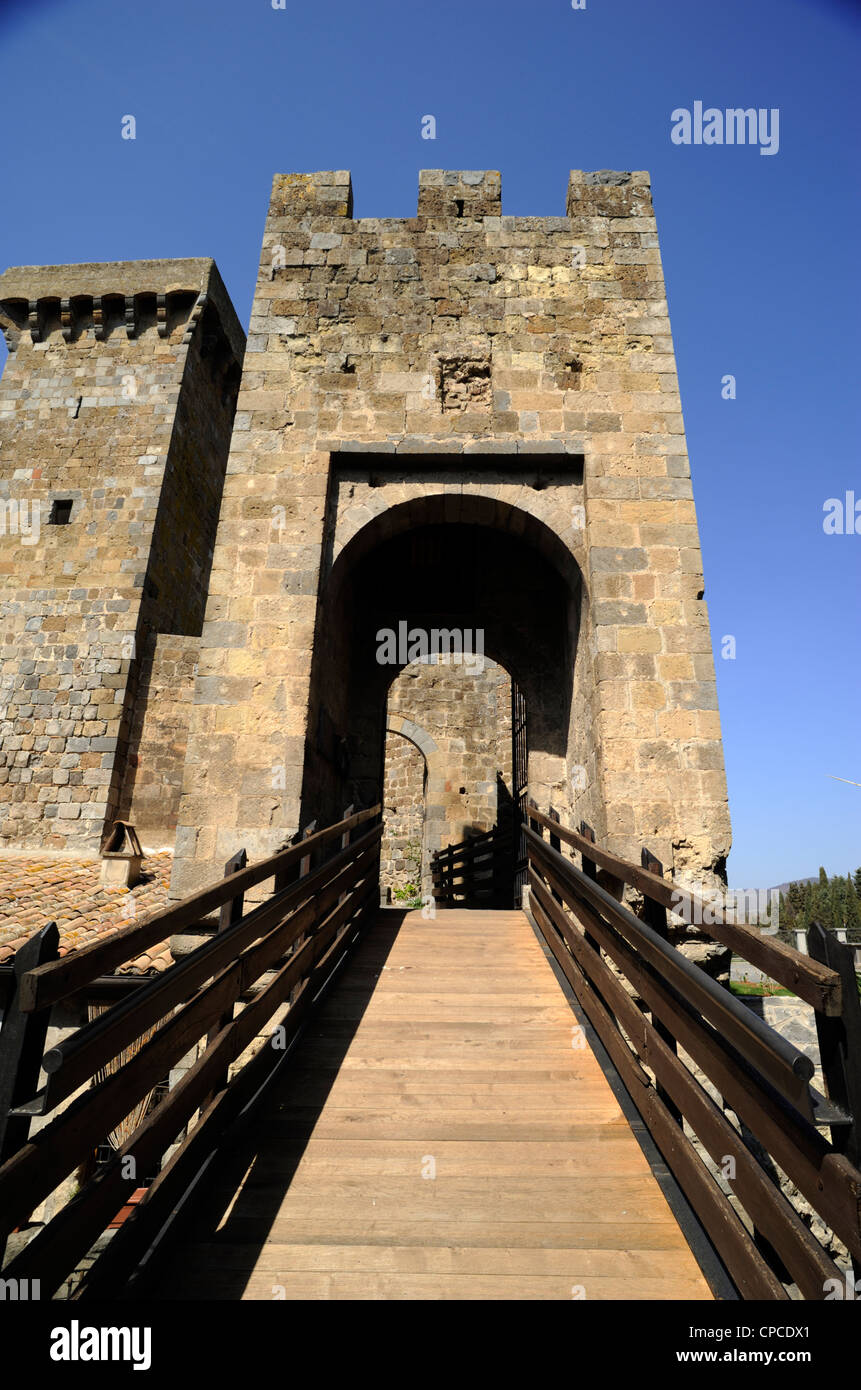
436	346
158	737
401	852
116	406
457	722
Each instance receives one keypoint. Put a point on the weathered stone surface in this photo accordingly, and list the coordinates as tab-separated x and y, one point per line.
117	400
459	372
447	766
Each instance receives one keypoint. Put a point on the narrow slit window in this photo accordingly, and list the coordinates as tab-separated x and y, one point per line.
61	512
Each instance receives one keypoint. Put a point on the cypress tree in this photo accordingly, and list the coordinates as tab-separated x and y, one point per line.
807	911
820	900
787	914
838	902
853	915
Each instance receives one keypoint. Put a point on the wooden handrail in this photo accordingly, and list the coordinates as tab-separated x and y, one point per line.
301	934
813	982
597	942
796	1145
609	1000
471	866
50	983
785	1066
80	1056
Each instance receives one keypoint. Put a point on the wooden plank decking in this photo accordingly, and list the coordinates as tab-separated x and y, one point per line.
437	1136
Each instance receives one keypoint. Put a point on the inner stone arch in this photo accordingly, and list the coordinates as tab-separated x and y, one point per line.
455	718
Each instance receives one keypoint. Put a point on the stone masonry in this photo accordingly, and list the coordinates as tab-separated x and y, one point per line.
482	376
159	736
401	852
460	419
116	406
448	761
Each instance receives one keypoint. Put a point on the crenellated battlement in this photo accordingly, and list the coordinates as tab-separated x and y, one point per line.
466	195
96	301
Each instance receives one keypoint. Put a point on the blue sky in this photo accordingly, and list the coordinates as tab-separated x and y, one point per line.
760	256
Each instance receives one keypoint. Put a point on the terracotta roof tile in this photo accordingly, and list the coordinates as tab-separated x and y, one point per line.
34	892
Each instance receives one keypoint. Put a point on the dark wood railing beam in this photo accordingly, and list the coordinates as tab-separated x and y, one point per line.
50	983
815	983
278	954
647	1001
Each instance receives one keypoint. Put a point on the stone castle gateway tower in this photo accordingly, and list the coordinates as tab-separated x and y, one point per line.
457	420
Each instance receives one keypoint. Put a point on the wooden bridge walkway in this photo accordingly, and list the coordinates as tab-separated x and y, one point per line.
438	1134
435	1131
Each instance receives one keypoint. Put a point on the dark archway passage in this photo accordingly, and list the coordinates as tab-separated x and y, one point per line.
506	583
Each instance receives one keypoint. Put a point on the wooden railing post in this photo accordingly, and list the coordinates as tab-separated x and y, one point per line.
840	1039
438	878
303	872
655	916
555	843
230	912
287	878
306	860
347	836
442	875
590	869
653	912
22	1045
533	823
528	822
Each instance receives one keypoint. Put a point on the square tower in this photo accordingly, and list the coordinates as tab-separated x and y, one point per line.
500	394
116	406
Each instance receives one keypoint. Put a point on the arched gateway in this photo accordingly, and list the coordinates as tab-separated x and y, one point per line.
465	422
457	422
450	502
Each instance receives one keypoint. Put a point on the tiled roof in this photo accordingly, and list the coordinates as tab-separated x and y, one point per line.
35	891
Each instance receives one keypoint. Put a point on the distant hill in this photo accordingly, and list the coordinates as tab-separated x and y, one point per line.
784	887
